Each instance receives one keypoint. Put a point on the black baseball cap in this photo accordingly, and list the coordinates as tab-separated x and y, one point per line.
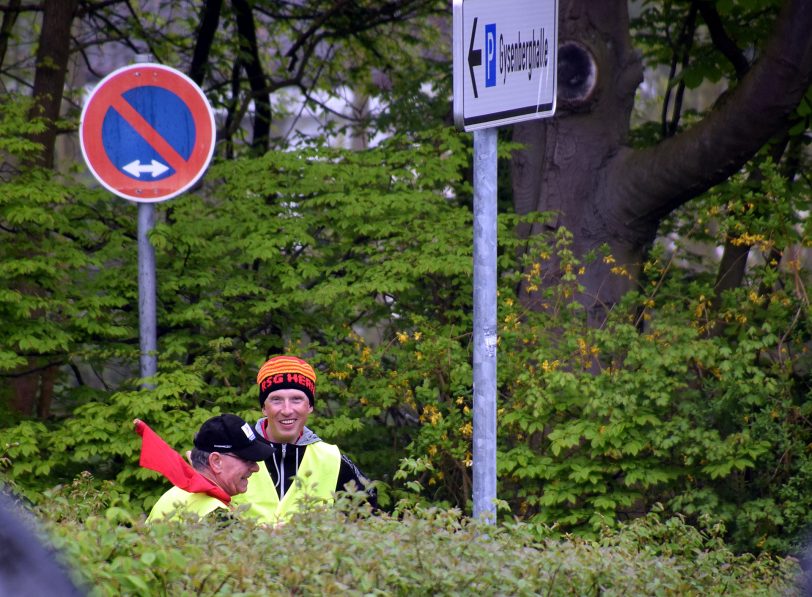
230	434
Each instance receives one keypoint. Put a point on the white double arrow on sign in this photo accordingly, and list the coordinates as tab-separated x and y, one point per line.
135	168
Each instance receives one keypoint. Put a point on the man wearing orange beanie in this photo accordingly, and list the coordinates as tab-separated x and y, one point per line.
302	464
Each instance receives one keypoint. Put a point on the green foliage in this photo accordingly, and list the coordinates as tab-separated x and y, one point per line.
427	551
49	241
331	246
598	425
361	262
659	30
699	50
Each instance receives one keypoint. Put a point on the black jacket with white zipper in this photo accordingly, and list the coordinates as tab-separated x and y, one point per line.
283	466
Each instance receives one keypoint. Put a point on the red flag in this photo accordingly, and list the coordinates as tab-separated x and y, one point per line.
158	456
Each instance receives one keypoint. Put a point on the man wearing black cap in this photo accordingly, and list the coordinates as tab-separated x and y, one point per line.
226	453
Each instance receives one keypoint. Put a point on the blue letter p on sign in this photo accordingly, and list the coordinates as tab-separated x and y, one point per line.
490	55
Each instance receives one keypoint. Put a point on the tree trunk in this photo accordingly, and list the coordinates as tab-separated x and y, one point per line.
564	168
52	68
604	192
32	389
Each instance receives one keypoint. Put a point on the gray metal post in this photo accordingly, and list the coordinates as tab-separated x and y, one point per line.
484	435
147	318
146	293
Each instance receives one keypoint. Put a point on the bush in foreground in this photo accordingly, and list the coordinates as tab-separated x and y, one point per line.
347	551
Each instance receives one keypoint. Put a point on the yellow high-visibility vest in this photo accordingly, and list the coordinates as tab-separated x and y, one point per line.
178	500
316	479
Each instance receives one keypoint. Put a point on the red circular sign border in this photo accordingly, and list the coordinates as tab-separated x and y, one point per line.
99	102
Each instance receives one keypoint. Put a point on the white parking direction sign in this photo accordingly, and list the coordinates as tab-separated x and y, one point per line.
504	61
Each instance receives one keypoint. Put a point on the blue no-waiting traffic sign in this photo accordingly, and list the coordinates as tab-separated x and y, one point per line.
147	132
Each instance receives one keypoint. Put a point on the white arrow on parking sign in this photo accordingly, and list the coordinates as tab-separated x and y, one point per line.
135	168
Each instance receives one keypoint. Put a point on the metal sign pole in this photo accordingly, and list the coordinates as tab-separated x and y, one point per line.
147	134
485	336
147	313
146	293
505	71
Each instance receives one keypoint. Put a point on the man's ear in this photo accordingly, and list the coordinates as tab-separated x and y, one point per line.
215	462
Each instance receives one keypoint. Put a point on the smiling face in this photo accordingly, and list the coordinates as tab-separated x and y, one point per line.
287	411
231	472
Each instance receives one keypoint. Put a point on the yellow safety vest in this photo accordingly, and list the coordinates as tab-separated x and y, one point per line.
316	479
178	500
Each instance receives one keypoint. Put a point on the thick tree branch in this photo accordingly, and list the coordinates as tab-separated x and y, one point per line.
86	7
684	47
733	264
233	115
721	40
209	22
653	183
14	7
249	55
5	29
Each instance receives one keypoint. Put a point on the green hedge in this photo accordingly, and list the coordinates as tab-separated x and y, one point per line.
432	551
